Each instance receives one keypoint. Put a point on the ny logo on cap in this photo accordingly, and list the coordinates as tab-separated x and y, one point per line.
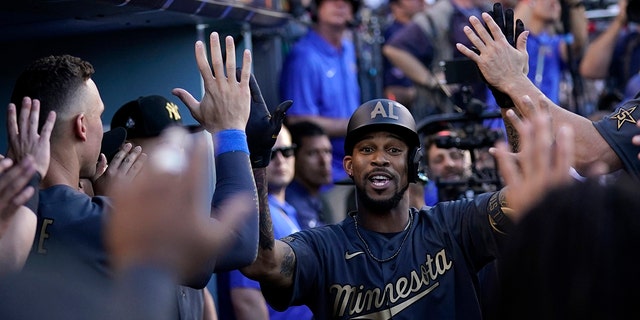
379	110
172	109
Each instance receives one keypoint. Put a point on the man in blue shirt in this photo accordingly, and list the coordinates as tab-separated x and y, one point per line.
320	74
313	156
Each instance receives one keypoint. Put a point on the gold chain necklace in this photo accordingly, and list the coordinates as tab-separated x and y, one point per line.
407	230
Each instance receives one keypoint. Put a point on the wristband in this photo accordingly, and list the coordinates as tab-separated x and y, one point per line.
32	203
231	140
498	221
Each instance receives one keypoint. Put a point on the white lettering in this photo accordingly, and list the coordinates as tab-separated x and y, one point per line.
355	300
378	110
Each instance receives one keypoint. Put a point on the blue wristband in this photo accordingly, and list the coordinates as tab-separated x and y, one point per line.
231	140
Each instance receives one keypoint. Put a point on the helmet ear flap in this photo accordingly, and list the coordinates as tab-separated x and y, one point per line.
415	156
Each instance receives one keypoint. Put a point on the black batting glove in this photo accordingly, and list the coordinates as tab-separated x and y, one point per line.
505	20
263	126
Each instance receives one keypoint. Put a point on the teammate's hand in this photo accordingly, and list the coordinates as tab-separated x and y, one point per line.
161	217
263	126
505	21
226	101
124	166
502	66
23	134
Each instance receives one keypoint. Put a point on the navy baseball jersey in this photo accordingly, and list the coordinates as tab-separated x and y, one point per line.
433	274
70	225
617	129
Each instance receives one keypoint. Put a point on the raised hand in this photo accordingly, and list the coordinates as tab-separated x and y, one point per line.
157	218
23	134
124	167
226	100
502	65
505	21
263	126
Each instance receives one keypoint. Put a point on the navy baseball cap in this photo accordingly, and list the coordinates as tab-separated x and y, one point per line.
111	142
148	116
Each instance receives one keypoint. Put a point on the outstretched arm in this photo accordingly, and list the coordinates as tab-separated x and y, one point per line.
224	112
541	165
157	235
502	66
276	260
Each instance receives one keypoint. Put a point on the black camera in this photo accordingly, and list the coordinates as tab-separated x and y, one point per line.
461	71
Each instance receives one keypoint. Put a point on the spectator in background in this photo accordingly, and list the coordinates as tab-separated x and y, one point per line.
615	54
448	170
395	84
320	74
240	297
313	154
548	50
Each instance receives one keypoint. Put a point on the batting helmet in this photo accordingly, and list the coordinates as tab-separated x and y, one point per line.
385	115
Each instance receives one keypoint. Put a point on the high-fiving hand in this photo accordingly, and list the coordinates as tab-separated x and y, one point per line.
226	101
263	126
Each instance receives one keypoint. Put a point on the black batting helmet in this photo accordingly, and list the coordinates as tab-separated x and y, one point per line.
385	115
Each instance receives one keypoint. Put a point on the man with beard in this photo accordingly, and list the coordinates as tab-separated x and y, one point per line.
313	155
448	169
387	260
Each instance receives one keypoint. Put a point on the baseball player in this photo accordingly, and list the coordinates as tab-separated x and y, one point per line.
387	260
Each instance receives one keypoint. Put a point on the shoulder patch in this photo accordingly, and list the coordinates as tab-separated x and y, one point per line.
623	115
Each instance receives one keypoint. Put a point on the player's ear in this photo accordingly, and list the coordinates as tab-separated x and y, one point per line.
347	163
80	126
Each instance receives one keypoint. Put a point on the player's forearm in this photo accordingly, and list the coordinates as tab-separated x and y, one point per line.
590	147
17	241
275	262
274	267
265	262
513	138
234	175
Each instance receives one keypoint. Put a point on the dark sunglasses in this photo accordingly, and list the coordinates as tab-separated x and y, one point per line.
286	151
